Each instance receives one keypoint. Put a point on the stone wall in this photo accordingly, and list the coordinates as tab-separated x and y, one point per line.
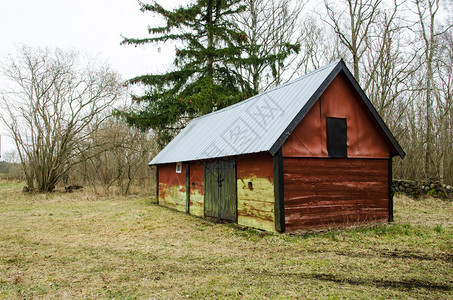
418	188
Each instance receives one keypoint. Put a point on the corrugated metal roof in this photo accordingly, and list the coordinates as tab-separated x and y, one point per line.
255	125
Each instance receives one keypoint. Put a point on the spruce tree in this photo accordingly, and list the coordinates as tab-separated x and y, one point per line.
201	80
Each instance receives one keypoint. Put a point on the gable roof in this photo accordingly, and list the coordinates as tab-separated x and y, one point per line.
260	123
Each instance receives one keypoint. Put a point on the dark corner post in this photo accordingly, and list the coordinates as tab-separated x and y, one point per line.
157	184
279	207
187	187
390	190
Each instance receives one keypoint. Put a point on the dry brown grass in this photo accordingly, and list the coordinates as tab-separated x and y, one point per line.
426	211
80	245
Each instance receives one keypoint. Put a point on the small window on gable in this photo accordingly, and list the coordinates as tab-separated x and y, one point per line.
337	137
178	167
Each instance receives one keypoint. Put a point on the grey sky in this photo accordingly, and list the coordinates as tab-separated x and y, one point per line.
90	26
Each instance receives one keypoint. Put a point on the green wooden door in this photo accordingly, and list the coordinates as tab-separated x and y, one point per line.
227	187
211	175
220	190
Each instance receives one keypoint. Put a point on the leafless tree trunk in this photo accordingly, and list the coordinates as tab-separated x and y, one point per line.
444	65
271	27
372	32
52	107
352	21
430	32
319	46
388	64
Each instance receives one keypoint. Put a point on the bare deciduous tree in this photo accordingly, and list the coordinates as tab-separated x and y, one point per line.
372	33
444	67
430	32
388	64
353	22
52	105
319	46
123	160
273	41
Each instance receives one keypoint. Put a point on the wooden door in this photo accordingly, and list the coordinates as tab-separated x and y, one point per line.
220	190
211	194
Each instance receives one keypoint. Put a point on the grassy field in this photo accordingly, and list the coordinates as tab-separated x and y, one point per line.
84	246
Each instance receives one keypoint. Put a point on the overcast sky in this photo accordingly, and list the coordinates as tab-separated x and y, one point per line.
90	26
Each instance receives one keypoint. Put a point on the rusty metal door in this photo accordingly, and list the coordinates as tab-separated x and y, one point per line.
220	190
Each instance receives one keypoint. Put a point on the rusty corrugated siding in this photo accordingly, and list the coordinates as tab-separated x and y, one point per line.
363	135
324	192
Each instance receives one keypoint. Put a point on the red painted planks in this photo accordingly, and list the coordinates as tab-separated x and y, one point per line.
331	192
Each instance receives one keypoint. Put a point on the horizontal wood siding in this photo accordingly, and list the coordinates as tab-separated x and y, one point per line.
196	188
332	192
172	187
256	201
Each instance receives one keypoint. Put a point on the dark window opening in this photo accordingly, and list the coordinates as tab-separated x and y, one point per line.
337	137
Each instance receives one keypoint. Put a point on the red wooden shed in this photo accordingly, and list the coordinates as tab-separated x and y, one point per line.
308	154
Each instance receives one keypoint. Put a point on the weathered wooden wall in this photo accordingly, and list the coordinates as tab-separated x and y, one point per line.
364	137
256	200
196	188
324	192
172	187
318	191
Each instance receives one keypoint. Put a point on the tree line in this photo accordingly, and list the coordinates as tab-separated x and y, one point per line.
58	109
400	51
